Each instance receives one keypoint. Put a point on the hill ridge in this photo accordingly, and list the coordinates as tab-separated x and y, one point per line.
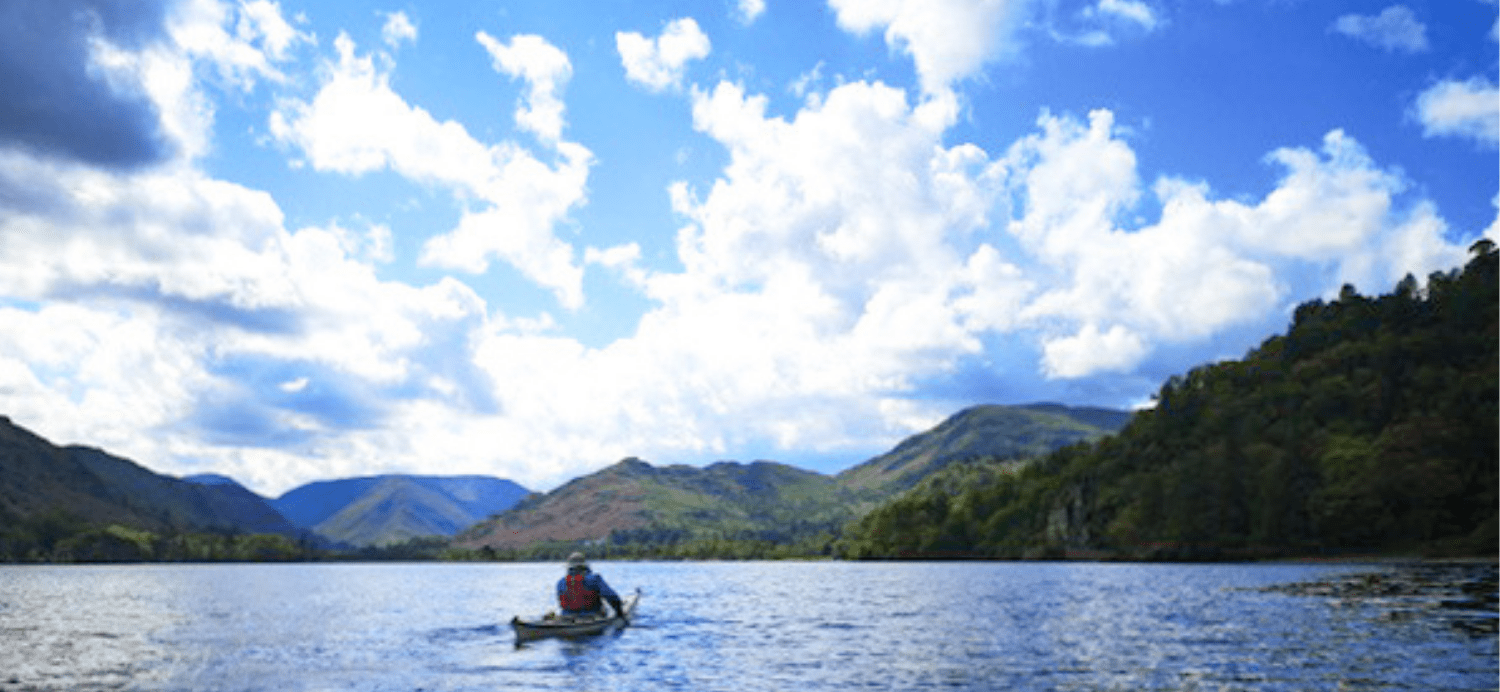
37	477
634	503
389	508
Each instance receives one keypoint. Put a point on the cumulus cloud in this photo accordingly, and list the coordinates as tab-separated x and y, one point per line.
179	318
1130	11
58	102
1090	351
1102	23
244	41
1469	109
949	40
658	64
848	254
356	124
546	71
398	29
817	272
1332	219
747	11
1396	28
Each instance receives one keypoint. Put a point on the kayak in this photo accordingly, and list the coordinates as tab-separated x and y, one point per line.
568	626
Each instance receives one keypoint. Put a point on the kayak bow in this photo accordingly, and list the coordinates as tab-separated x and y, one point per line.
568	626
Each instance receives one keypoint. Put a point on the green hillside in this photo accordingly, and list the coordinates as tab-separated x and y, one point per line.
981	432
762	509
634	508
381	510
1371	426
394	510
83	504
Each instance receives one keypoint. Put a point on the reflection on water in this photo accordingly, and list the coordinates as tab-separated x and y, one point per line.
735	626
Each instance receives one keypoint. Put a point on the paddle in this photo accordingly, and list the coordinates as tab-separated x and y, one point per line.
624	609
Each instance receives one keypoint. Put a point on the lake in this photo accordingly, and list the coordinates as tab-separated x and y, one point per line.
783	626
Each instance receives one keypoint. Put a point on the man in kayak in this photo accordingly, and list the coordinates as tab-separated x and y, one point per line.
583	592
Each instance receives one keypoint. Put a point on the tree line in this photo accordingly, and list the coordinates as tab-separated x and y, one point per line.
61	537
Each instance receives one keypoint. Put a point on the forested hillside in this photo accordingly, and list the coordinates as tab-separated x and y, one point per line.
66	504
1370	426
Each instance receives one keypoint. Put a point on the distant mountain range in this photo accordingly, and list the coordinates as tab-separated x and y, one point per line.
38	478
648	503
631	501
380	510
636	503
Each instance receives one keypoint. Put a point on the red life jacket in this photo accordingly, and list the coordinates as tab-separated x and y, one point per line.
577	596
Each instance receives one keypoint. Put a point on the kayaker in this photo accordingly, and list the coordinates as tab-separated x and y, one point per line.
582	592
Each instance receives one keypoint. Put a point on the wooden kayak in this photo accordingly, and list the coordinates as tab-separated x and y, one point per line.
569	626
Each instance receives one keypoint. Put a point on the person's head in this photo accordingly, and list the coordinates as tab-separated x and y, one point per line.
577	563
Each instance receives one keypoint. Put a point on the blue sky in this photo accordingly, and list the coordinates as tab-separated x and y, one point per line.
289	241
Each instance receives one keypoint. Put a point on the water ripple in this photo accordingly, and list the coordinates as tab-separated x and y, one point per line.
738	626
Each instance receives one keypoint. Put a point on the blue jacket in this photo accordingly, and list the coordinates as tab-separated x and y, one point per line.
592	582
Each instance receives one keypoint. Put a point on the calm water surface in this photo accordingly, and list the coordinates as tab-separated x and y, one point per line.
726	626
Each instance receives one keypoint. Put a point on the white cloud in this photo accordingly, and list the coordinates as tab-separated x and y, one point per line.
747	11
830	261
546	71
261	20
244	43
1493	232
1332	219
1132	11
624	259
1100	23
152	284
261	38
199	228
950	40
1396	28
398	29
658	64
356	124
1461	109
808	82
1091	351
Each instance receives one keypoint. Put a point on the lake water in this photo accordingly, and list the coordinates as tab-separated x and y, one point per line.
728	626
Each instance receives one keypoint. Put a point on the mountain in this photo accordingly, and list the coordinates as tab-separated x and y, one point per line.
38	478
709	511
253	513
994	432
211	479
1371	426
379	510
644	504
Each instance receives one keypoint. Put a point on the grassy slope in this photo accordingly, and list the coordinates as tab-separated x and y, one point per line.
995	432
394	510
766	501
379	510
